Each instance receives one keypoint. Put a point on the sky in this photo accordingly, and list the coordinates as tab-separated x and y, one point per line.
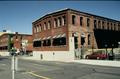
18	16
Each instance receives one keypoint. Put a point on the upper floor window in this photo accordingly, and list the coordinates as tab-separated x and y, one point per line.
119	27
114	26
40	28
111	26
55	23
59	21
45	27
73	19
34	29
81	21
103	25
49	24
63	20
108	25
99	24
95	24
37	28
88	22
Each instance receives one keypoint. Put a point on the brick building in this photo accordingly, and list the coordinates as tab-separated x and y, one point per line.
57	35
19	41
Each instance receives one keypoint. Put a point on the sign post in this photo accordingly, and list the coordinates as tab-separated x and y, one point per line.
14	62
13	67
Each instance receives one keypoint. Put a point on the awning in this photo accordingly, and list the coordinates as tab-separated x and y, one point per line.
58	36
48	37
76	34
83	35
55	36
44	38
63	35
3	45
38	39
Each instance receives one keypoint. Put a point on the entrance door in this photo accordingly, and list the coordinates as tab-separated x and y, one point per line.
76	42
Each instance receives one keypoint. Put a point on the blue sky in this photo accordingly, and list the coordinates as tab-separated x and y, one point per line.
18	16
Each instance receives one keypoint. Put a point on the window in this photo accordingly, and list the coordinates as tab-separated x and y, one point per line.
47	42
119	27
99	24
63	20
35	29
103	25
81	21
45	26
37	44
88	22
44	42
76	42
95	24
55	23
82	40
88	39
59	41
49	24
59	21
108	25
114	27
40	28
73	19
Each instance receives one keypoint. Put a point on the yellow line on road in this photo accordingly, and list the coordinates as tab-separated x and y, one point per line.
38	75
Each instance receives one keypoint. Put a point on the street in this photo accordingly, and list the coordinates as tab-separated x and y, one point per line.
29	69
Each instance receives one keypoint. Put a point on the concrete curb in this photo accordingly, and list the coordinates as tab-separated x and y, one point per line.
99	62
84	61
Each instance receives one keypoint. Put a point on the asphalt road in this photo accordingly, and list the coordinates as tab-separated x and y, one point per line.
29	69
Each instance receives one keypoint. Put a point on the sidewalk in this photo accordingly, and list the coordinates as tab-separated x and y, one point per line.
84	61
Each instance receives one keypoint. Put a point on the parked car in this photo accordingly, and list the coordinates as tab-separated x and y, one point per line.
96	55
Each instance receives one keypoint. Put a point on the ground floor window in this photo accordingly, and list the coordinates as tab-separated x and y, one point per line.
4	48
37	44
47	42
82	40
59	41
76	42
